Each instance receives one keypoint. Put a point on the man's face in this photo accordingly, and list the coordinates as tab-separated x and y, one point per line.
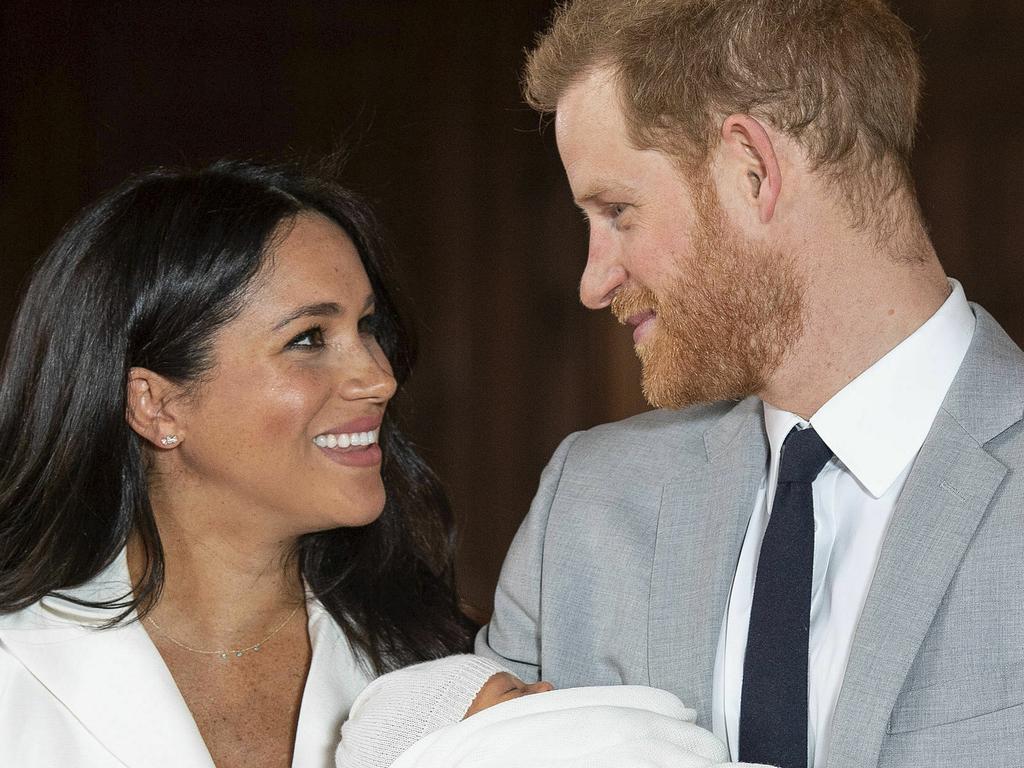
713	312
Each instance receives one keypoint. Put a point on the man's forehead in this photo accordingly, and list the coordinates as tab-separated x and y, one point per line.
595	95
590	128
600	159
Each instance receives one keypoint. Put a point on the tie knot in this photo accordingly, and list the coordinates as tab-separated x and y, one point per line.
804	454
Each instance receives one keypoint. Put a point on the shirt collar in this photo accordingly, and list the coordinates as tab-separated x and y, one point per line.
877	423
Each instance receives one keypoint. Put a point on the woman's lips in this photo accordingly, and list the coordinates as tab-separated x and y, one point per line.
355	444
360	456
643	323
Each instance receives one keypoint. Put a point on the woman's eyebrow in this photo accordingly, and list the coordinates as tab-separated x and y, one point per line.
322	309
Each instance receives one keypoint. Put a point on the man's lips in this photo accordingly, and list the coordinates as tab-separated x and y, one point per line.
642	323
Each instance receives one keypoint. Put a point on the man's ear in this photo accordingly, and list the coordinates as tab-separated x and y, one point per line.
151	410
752	160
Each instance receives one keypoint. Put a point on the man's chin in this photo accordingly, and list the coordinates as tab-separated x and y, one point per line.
673	382
677	395
661	388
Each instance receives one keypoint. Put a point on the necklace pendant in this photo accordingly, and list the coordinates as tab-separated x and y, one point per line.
227	653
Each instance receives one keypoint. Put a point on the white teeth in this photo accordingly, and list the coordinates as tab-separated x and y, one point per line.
353	439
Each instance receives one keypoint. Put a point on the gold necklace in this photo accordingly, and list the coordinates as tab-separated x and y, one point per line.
227	653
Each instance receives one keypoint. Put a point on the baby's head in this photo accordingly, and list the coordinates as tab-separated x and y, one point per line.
400	708
503	686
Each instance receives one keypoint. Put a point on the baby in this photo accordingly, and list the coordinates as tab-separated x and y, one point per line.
468	712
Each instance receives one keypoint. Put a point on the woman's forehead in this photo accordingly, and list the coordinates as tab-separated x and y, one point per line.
315	262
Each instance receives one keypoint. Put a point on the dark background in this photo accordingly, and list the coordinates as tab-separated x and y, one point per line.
423	96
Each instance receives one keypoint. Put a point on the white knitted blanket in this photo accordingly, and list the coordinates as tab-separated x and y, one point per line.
623	726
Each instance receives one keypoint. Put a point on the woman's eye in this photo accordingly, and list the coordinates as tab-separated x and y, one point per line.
616	209
311	338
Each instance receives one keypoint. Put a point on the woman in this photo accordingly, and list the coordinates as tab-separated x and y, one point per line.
211	533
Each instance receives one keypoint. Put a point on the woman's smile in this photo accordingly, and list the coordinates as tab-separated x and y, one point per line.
303	351
232	365
355	444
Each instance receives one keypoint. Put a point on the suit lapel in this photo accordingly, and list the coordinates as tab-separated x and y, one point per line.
944	500
704	513
942	504
113	681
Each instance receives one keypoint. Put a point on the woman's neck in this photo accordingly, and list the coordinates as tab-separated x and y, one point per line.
220	588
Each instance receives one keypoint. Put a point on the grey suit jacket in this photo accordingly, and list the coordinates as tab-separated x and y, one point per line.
621	571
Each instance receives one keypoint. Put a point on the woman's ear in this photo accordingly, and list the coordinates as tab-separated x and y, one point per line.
151	408
753	159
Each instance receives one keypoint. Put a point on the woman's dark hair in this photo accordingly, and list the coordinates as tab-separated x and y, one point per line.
145	277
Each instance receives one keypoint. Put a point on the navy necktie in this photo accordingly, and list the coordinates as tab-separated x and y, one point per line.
773	704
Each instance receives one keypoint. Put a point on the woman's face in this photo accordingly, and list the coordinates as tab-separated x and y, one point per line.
284	428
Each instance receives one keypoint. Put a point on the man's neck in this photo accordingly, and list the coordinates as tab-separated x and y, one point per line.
859	304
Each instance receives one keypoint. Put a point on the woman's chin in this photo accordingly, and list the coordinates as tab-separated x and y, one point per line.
356	513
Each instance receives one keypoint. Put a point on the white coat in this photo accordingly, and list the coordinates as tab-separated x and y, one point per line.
72	694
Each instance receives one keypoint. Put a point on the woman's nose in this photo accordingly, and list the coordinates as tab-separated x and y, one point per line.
367	375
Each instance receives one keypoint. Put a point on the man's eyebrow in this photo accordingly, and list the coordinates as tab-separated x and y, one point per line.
601	188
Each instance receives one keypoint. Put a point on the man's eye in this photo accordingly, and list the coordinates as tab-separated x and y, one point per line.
311	338
616	209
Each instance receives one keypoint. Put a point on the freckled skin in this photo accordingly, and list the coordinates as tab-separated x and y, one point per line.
246	709
246	480
249	433
715	310
640	210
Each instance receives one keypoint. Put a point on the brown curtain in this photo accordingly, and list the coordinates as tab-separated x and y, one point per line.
423	94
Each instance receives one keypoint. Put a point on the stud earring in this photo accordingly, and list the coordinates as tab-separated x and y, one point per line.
168	440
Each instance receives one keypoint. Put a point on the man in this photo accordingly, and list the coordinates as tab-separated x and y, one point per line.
855	599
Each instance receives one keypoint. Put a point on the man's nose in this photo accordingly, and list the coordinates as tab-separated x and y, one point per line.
603	275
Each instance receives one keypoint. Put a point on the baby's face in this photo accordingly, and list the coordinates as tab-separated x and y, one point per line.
503	686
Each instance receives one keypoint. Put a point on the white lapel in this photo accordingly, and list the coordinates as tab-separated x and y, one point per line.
334	681
113	681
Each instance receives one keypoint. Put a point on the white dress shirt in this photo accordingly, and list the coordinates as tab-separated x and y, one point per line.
875	427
